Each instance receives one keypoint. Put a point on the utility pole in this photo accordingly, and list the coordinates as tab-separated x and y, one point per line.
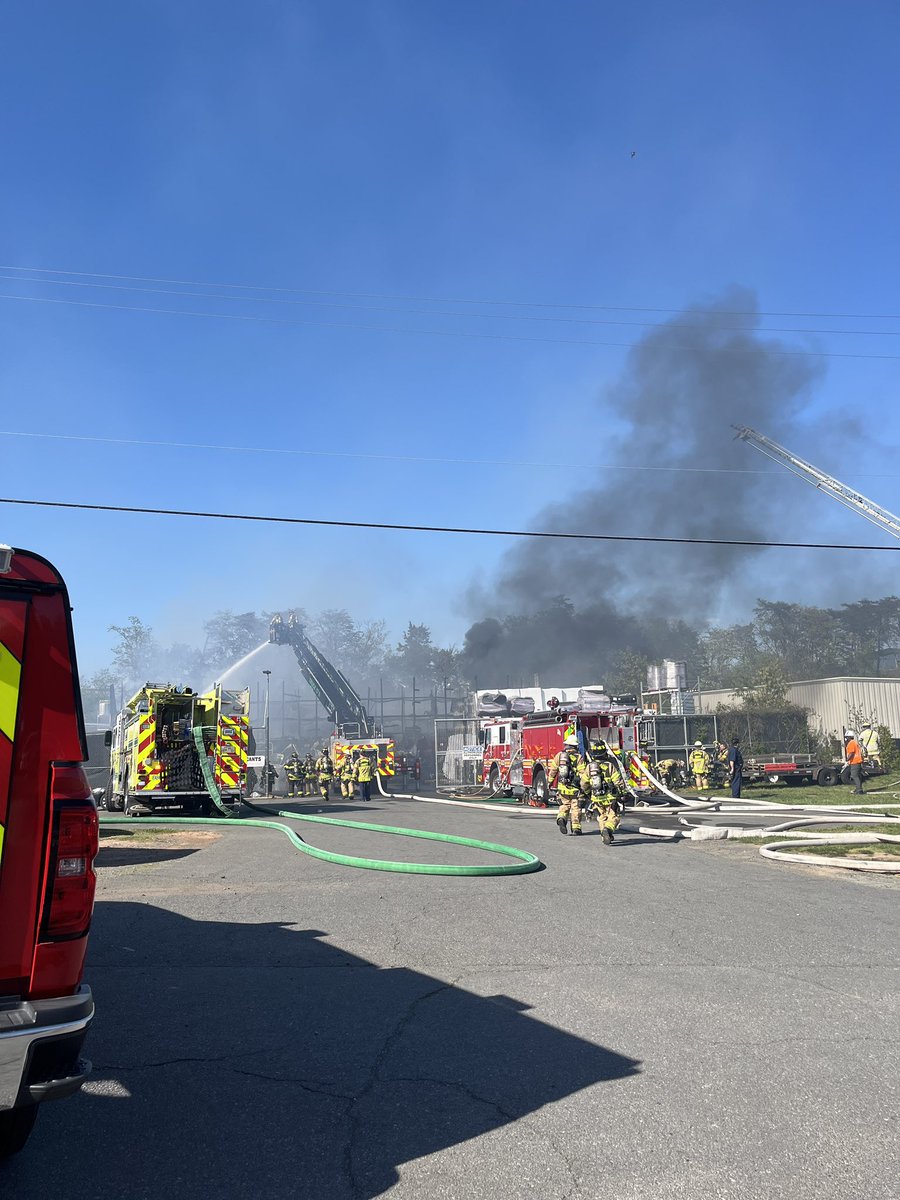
268	785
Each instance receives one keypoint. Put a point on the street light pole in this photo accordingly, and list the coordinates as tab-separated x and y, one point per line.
268	774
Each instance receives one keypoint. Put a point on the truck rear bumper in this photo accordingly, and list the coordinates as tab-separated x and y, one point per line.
40	1048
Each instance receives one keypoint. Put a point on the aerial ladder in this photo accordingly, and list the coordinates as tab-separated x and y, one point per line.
845	495
354	729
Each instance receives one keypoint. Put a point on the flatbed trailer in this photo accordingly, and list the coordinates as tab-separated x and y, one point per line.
794	770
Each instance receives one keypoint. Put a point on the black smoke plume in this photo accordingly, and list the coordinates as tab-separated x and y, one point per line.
564	609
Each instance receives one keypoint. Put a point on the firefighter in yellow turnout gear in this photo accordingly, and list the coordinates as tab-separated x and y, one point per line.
324	772
365	773
606	791
348	771
868	739
309	775
568	771
699	765
292	770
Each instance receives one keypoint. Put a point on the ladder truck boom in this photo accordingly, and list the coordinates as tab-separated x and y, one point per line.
845	495
330	686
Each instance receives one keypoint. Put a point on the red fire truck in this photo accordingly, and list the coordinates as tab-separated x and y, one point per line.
517	751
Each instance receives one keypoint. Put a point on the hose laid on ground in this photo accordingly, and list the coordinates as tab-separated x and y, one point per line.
792	829
882	866
526	863
684	800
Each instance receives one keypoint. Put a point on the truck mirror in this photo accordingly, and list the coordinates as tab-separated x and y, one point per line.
107	738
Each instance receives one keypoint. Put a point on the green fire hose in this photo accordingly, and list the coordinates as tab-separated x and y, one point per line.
526	862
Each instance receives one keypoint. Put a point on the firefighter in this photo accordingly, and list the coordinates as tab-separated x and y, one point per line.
605	784
301	775
665	771
324	772
348	769
292	772
567	771
365	772
271	776
868	739
698	761
310	775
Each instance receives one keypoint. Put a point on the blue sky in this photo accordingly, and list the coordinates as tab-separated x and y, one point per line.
473	152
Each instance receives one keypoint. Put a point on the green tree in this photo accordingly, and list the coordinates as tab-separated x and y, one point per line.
768	692
229	636
627	673
357	650
728	657
869	627
135	651
887	749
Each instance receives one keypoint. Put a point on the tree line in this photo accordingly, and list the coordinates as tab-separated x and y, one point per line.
556	646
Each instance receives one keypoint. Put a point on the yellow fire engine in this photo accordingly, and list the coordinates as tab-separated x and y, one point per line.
172	748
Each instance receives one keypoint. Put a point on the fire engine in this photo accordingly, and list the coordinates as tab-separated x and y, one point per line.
174	748
518	750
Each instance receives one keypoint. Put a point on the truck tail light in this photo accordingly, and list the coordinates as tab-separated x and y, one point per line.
69	899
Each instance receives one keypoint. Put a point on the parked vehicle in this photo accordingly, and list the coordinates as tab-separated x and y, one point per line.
796	769
48	841
174	749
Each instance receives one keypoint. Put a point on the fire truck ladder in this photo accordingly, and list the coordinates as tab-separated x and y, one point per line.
330	686
845	495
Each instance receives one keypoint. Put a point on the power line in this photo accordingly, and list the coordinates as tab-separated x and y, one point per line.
494	337
413	458
386	525
255	287
435	312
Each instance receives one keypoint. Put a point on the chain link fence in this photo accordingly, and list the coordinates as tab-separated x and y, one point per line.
457	754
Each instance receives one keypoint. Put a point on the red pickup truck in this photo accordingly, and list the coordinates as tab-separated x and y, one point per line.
48	841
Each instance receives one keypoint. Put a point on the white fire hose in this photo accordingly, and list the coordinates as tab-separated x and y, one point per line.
805	815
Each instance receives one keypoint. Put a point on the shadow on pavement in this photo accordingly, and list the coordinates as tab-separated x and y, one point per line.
134	856
237	1059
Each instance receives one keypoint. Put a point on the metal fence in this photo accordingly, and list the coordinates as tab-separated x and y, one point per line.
457	753
760	733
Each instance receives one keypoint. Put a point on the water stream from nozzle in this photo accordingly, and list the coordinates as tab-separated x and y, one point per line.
235	666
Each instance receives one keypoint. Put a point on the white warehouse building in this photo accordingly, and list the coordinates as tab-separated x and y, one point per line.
835	704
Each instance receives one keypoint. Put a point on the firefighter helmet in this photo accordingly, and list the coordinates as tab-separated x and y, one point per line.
572	740
700	744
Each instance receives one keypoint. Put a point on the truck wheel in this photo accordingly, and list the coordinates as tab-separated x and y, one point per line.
827	777
494	781
539	786
773	778
128	806
15	1126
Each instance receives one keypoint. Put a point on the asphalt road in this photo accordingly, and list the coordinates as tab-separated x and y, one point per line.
640	1022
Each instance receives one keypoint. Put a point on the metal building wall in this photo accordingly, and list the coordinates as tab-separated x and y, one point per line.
831	701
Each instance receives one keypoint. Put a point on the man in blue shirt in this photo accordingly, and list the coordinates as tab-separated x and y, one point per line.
736	767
